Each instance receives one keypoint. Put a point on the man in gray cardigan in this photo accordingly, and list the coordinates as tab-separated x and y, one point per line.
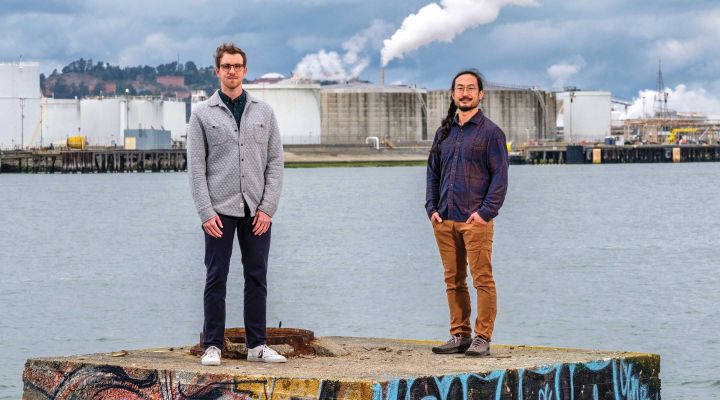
235	163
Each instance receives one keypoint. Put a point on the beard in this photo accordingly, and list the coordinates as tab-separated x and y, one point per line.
467	107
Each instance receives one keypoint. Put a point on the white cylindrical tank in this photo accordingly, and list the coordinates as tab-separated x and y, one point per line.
102	121
145	114
586	116
60	119
296	106
174	119
19	104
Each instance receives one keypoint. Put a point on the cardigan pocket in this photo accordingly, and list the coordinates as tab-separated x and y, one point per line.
260	132
216	136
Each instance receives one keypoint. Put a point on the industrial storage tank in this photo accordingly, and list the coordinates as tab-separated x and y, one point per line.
525	114
587	116
19	105
354	111
102	120
60	120
296	106
155	113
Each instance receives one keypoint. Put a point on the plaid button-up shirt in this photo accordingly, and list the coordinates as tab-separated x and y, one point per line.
469	173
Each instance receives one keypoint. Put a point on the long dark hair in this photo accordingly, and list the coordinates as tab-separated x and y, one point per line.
447	122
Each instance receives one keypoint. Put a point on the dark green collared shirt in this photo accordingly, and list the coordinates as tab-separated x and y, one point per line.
236	106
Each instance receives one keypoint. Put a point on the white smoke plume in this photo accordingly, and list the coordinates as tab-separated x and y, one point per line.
561	72
442	23
320	66
325	65
680	99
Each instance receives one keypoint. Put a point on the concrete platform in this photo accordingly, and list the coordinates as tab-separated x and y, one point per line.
363	368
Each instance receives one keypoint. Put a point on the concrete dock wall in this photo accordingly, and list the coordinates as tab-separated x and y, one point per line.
612	379
362	368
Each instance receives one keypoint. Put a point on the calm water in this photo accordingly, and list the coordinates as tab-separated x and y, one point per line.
613	257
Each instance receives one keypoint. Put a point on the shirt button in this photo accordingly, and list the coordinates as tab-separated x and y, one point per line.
242	159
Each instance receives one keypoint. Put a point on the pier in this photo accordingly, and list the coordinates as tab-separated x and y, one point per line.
351	368
87	161
604	154
112	160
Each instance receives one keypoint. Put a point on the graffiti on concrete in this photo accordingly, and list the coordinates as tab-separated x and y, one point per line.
61	380
608	379
613	379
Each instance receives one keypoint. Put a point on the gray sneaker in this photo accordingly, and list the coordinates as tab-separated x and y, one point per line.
479	347
456	344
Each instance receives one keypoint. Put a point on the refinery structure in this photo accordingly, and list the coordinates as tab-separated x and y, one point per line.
363	113
34	121
308	113
346	113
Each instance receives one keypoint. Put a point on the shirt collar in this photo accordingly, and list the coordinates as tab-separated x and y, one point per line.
226	99
476	119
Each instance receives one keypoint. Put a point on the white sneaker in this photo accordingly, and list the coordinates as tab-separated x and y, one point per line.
211	356
265	354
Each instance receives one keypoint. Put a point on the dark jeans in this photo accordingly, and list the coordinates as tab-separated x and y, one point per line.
254	250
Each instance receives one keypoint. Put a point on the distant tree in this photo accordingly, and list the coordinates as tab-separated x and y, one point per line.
168	69
97	90
82	90
148	72
61	90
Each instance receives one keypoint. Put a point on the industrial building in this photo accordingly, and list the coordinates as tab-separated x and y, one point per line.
526	115
353	112
343	114
104	120
147	139
349	113
19	104
30	120
586	116
296	106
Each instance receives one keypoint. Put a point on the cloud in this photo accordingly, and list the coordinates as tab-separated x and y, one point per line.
325	65
561	72
620	41
322	65
306	43
442	23
682	99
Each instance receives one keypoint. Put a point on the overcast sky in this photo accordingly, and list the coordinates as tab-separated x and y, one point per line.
609	45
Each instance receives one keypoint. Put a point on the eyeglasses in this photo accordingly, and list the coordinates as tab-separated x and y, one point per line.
462	89
228	67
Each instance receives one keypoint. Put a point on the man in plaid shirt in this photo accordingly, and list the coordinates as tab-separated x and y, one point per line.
467	178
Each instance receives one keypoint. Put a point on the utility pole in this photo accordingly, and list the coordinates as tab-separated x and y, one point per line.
572	98
22	123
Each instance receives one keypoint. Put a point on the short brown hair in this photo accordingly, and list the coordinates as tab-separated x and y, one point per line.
229	48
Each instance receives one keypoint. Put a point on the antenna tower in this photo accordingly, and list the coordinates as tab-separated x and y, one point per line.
661	95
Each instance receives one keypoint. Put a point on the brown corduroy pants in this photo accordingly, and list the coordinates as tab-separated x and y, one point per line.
461	244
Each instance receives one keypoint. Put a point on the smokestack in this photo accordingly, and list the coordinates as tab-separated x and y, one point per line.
382	76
